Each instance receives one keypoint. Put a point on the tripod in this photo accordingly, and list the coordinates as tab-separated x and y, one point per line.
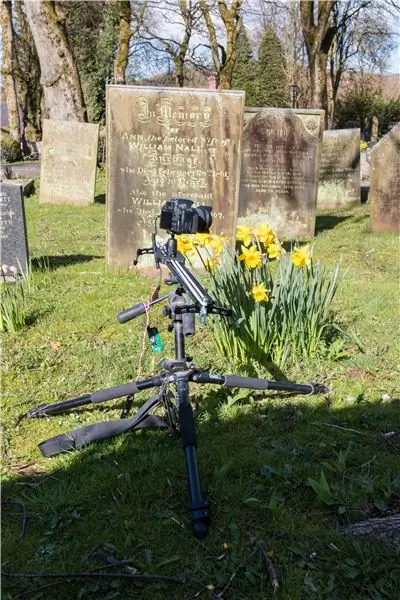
178	372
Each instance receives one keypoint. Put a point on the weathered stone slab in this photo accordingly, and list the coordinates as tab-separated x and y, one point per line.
384	192
28	185
163	143
280	165
14	241
339	171
68	162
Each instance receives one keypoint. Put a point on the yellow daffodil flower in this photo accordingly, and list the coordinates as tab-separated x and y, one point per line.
275	250
259	293
185	244
202	239
301	257
216	243
244	234
265	234
251	256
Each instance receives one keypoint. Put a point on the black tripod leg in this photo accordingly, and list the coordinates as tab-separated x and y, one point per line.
199	507
118	391
252	383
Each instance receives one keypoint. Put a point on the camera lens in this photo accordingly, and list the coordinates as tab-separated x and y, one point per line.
205	219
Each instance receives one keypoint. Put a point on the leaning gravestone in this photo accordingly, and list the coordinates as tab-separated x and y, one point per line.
384	194
68	162
339	171
280	164
14	244
163	143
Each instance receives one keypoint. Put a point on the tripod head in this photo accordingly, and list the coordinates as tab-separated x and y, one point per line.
188	286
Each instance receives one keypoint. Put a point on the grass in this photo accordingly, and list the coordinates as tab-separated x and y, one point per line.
286	470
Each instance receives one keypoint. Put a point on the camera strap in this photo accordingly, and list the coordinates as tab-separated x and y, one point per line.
79	438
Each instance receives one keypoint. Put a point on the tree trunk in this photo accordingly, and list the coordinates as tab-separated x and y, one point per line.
7	70
125	34
224	64
318	37
27	75
63	98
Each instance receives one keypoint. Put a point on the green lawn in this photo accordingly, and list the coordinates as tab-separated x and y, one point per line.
262	459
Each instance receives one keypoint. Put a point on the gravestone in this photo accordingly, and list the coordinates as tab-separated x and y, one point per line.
163	143
68	162
14	241
280	164
339	171
384	193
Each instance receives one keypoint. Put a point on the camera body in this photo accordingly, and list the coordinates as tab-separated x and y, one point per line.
179	216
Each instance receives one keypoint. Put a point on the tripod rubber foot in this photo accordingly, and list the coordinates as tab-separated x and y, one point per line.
318	388
200	529
200	519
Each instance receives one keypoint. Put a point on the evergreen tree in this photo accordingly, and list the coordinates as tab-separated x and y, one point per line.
245	69
272	86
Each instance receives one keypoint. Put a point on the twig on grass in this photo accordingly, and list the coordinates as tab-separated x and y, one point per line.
269	563
94	575
21	535
339	427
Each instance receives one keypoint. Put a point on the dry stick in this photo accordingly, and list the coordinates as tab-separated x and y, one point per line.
339	427
90	575
270	567
21	535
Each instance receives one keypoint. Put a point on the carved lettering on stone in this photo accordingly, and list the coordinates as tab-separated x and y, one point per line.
280	164
163	143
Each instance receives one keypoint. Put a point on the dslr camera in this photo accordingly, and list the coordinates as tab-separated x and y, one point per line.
178	215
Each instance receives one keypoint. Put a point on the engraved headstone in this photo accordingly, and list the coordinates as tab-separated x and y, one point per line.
384	194
14	242
163	143
280	164
68	162
339	171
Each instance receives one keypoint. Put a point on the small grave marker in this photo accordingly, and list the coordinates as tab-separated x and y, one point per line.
339	173
14	242
68	162
384	194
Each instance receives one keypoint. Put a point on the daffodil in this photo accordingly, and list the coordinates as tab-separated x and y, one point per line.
275	250
259	293
265	234
185	244
216	243
301	257
202	239
251	256
244	234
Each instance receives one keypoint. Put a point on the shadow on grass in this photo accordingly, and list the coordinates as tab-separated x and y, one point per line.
256	459
51	263
100	199
325	222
